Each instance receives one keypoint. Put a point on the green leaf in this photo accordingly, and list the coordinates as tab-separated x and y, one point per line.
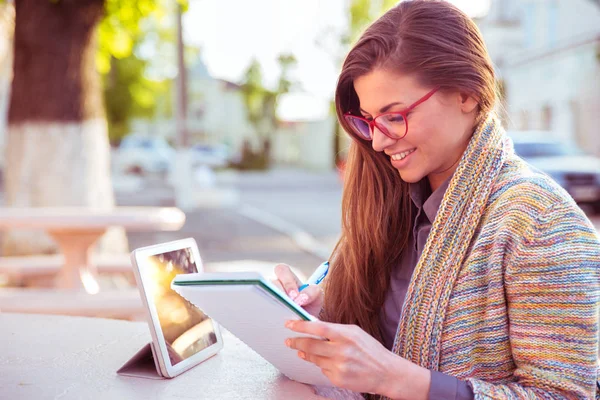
122	44
102	62
143	96
364	12
184	5
128	25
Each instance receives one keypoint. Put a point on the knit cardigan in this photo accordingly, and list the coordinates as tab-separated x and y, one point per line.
506	294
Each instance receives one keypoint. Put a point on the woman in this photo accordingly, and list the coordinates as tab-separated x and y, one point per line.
461	272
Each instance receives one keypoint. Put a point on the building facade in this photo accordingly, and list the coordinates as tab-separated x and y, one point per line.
547	55
216	113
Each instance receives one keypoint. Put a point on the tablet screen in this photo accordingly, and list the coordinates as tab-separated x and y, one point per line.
185	328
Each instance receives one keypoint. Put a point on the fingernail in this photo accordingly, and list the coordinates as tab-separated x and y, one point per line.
293	294
288	342
301	300
302	355
288	324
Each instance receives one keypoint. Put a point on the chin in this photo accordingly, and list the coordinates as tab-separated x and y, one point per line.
410	178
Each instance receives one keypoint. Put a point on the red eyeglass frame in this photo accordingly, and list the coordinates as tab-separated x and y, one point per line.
373	122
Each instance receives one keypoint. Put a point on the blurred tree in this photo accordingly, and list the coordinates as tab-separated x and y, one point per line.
136	81
57	150
254	94
261	103
286	61
362	13
129	93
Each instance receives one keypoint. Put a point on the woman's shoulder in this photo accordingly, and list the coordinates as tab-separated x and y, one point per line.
526	204
525	198
521	185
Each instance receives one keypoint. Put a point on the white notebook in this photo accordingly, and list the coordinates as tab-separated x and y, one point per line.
255	311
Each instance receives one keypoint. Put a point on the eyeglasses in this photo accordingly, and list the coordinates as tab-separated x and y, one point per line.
392	124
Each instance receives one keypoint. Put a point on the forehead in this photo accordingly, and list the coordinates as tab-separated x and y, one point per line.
380	87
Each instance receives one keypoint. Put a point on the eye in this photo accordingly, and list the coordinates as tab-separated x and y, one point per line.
395	118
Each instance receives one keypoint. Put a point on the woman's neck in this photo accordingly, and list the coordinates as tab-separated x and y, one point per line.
437	178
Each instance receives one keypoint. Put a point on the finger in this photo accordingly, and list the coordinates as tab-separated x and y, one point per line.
277	283
330	373
322	329
287	278
309	295
325	363
312	346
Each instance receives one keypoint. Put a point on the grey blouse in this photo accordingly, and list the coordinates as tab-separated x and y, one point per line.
426	205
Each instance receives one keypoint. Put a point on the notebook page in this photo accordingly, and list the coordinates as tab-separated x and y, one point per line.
257	319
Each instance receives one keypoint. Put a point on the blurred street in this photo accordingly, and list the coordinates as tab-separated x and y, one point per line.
284	215
290	216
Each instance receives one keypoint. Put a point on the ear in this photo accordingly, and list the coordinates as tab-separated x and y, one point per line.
468	103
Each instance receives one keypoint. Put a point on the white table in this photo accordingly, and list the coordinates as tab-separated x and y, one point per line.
57	357
76	230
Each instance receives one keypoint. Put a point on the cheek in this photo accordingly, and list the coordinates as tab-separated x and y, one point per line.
434	130
433	142
424	135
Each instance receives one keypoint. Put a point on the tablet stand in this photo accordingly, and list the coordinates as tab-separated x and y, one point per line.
143	364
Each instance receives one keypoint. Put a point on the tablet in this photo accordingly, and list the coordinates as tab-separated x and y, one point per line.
254	310
182	335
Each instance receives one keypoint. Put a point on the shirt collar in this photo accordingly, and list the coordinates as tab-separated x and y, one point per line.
419	192
422	198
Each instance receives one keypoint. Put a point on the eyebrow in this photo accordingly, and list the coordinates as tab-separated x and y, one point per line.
384	109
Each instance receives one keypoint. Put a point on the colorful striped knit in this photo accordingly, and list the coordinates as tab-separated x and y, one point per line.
506	293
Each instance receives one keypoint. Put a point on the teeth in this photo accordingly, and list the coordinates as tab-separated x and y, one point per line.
402	155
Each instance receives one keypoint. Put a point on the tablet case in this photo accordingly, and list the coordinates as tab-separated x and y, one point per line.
144	364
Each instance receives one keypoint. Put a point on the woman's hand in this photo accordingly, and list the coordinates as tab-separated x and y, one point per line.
352	359
311	298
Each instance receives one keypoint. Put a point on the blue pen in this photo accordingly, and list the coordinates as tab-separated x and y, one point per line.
317	276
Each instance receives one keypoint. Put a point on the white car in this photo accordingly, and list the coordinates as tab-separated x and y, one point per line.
572	168
144	155
214	156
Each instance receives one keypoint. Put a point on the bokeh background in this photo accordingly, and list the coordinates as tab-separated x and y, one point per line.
224	109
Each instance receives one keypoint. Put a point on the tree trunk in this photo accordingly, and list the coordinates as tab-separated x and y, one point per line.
57	151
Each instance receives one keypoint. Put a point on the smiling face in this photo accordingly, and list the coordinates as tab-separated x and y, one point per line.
439	129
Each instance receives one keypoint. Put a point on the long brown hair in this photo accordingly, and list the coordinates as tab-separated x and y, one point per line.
440	46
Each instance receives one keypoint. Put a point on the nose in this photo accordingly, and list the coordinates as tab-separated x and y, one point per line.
380	141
